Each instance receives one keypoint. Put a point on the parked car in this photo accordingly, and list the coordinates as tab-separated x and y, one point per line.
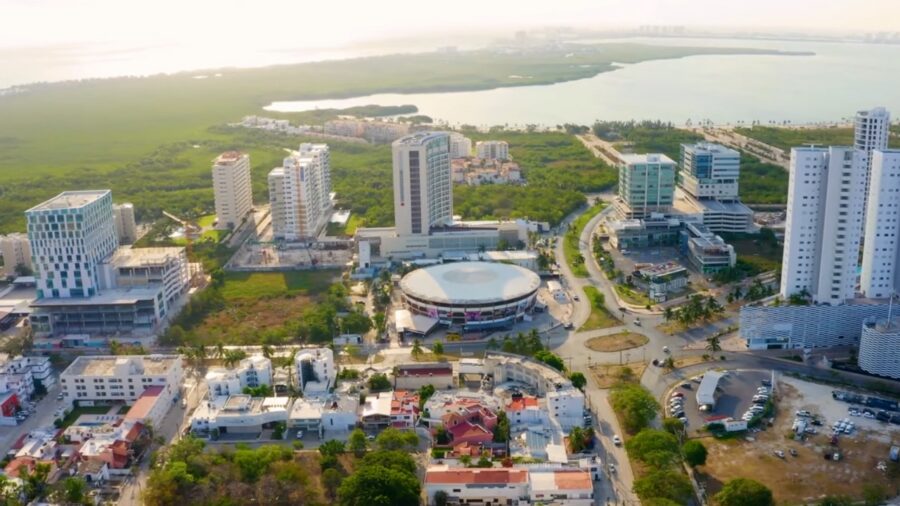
637	321
299	434
779	454
617	440
665	349
793	452
60	396
803	413
686	385
767	383
612	468
678	394
569	326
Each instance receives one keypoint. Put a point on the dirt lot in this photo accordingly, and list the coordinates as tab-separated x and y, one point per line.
608	375
808	476
617	342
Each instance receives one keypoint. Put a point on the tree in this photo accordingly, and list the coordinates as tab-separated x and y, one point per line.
416	349
713	345
636	405
379	383
656	448
356	443
332	447
668	314
441	435
669	363
232	357
659	501
744	492
74	490
380	321
437	348
425	393
578	380
874	494
551	359
379	486
694	453
501	430
395	459
331	480
34	484
440	498
393	439
673	426
665	484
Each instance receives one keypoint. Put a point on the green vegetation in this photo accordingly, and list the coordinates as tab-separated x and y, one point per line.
551	359
578	380
581	439
755	254
260	285
135	135
744	492
646	137
697	308
600	317
631	296
557	168
655	448
634	404
266	475
761	182
787	138
572	240
77	411
379	383
666	484
694	453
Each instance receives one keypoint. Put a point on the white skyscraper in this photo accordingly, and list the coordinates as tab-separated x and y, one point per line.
460	146
880	275
15	250
231	187
71	234
299	193
423	188
871	130
825	210
126	227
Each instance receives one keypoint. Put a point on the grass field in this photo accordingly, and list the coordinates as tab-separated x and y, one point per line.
763	256
599	318
266	285
84	410
617	342
608	375
787	138
572	240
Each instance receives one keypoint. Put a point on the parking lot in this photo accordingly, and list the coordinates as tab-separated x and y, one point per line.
735	394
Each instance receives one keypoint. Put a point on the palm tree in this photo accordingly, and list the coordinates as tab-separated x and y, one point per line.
288	363
220	350
267	351
232	357
668	314
416	349
712	344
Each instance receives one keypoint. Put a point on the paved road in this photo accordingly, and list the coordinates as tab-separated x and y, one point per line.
43	417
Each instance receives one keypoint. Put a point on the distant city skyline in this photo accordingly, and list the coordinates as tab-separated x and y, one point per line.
202	23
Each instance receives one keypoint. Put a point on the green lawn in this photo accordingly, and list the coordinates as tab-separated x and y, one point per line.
632	296
600	317
572	239
206	221
761	255
787	138
261	285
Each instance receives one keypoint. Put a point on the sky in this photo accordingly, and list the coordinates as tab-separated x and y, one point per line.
305	23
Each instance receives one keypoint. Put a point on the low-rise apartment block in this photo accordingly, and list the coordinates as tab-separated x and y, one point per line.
316	373
252	372
104	379
16	252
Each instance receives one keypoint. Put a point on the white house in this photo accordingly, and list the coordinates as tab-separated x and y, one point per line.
252	371
102	379
570	487
315	370
477	486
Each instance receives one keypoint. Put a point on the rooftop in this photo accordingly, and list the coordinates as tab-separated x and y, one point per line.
228	157
126	256
144	405
425	369
521	403
646	158
70	200
470	282
115	296
474	476
378	404
710	147
126	364
419	138
561	479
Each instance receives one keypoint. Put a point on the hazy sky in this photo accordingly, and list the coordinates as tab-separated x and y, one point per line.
329	23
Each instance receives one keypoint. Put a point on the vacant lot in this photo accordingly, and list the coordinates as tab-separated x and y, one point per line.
599	318
617	342
808	476
259	285
608	375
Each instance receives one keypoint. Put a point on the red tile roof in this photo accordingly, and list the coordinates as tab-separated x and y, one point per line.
521	403
573	480
142	407
464	476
